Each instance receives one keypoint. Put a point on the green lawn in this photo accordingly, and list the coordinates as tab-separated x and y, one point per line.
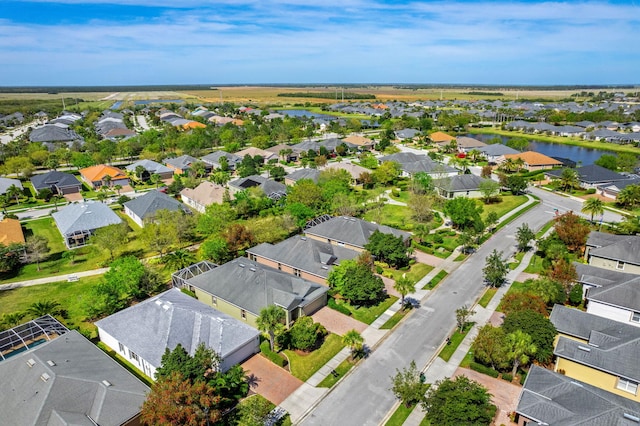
456	338
545	228
392	215
395	319
487	296
403	197
467	360
368	314
341	370
508	203
304	366
535	265
417	272
435	280
71	297
425	422
400	415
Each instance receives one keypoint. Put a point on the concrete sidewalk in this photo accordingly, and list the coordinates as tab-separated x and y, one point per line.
53	279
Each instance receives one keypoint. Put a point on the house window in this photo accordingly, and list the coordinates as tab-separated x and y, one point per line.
133	356
635	317
243	314
296	272
121	347
620	265
279	266
214	300
252	256
627	385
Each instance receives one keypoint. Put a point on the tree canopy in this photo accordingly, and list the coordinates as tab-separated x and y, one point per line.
356	283
388	248
459	401
536	325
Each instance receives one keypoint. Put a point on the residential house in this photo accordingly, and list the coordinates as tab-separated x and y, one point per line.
58	182
411	164
213	159
64	379
353	169
534	160
598	351
149	167
350	232
242	288
172	318
495	153
612	190
441	138
11	232
252	151
468	185
301	256
144	208
282	147
203	195
466	144
407	134
180	165
6	183
591	176
54	134
96	176
363	143
614	252
78	221
549	398
293	177
271	188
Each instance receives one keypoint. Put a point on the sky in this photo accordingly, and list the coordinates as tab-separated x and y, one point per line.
139	42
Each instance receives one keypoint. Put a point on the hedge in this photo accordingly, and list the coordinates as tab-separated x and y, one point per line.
333	305
507	376
484	370
274	357
523	377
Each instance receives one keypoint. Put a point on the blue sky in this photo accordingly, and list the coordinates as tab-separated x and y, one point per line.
111	42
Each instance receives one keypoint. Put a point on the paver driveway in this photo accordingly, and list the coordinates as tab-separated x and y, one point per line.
271	381
336	322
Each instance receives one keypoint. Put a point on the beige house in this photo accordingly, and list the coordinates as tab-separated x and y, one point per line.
203	195
533	161
614	252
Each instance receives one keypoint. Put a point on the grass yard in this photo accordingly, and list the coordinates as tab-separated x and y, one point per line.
402	197
341	370
395	319
304	366
467	360
417	272
400	415
435	280
71	297
392	215
456	338
535	265
487	296
508	203
545	228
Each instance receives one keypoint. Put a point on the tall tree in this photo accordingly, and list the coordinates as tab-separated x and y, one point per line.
459	401
408	386
538	327
37	248
520	348
594	206
404	286
489	347
572	231
569	179
489	189
463	211
463	314
524	235
495	269
111	238
268	320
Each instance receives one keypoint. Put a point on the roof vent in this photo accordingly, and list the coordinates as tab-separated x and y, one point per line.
106	383
583	348
303	238
252	269
631	417
51	363
31	362
158	302
241	265
45	377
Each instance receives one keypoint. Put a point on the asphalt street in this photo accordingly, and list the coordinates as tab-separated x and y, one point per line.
364	397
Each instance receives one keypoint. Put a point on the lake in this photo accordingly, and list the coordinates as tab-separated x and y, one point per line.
582	156
305	113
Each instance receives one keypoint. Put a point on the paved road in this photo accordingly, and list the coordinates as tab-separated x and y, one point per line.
364	398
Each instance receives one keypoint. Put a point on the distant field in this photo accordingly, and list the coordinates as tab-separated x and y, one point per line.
269	95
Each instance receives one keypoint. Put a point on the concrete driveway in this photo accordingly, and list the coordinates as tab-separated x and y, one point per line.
269	380
336	322
505	394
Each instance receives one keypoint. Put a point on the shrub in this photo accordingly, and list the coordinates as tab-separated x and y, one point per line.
437	238
591	191
305	333
274	357
523	377
484	369
379	269
188	292
575	295
334	305
507	376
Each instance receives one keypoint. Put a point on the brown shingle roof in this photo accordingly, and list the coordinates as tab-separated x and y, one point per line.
440	137
533	158
11	232
95	173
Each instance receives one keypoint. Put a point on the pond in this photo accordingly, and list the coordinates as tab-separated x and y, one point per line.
305	113
116	105
582	156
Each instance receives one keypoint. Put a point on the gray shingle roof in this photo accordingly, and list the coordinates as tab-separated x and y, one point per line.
214	158
554	399
252	286
625	294
183	162
467	182
84	216
613	346
74	389
268	186
53	133
497	149
297	175
148	204
5	183
626	250
592	174
351	230
55	178
309	255
150	166
601	239
173	318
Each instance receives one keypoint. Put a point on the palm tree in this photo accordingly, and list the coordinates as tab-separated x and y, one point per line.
354	341
139	172
14	192
106	180
117	188
155	179
179	259
11	320
593	205
38	309
404	286
569	179
268	320
519	349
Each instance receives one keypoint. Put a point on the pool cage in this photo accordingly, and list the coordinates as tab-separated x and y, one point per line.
179	278
28	335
